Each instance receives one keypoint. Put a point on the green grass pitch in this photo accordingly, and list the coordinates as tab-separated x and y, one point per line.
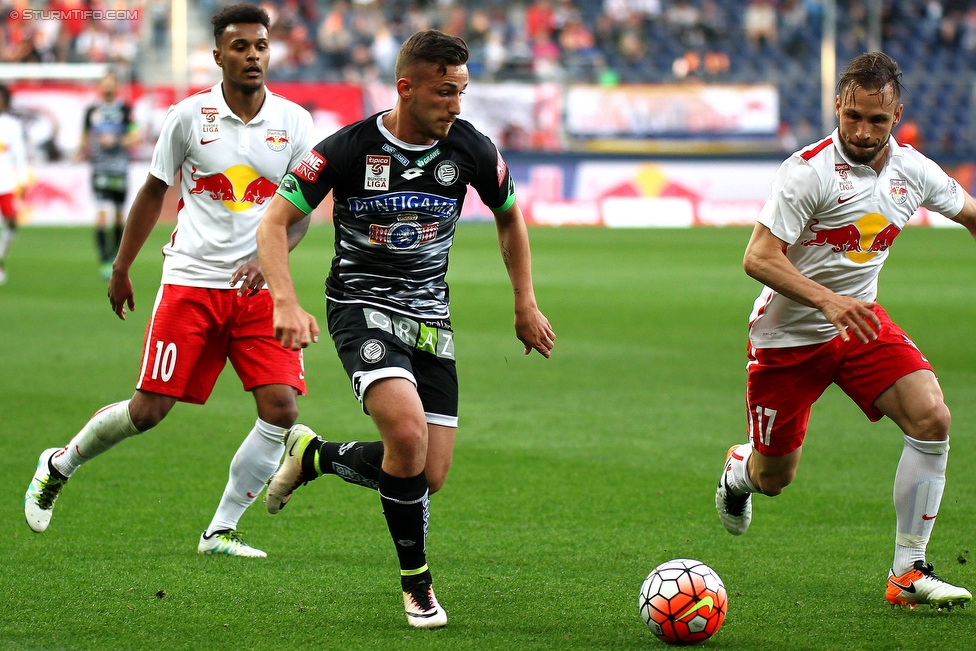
572	478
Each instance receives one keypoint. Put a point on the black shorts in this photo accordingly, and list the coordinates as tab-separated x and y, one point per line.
374	343
110	187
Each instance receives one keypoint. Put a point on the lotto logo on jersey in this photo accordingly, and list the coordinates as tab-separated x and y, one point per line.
310	166
377	172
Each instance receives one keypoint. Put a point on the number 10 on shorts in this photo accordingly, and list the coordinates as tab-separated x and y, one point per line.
165	362
761	424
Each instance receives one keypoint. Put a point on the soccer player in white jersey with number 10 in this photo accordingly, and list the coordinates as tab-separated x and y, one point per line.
233	143
835	209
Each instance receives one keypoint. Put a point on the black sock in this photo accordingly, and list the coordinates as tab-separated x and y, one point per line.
118	239
101	239
310	459
406	507
410	581
356	462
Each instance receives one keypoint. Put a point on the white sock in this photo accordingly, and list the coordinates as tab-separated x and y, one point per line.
256	460
919	483
107	427
737	470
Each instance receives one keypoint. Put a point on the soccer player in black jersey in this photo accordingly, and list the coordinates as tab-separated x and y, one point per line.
398	181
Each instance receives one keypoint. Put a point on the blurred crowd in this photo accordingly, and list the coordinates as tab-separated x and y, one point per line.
82	31
593	41
539	40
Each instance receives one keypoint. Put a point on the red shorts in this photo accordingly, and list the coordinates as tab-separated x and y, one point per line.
8	206
192	333
785	382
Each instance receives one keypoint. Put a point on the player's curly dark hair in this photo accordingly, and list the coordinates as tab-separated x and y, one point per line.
431	46
872	71
244	13
4	97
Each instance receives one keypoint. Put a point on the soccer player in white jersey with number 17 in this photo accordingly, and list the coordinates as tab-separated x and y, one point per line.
233	143
835	209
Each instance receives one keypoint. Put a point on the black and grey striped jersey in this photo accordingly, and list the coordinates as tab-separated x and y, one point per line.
396	209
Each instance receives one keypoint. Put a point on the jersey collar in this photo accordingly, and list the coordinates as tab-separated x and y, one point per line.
223	110
396	141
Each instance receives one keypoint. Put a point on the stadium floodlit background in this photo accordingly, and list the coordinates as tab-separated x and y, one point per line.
558	84
573	476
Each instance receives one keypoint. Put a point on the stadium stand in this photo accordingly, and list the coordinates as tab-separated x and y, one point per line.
596	41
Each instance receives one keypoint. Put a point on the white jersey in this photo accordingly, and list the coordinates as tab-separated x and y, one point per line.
839	218
13	154
230	172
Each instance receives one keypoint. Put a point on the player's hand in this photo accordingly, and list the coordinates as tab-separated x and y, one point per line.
250	276
850	315
533	330
294	327
120	293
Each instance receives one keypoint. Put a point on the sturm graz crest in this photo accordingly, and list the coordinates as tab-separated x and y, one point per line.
446	172
372	351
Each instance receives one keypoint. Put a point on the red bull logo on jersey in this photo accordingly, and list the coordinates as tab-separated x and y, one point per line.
239	187
277	139
899	191
860	241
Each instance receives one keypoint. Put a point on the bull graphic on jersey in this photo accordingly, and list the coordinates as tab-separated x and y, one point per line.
845	238
259	190
848	238
884	239
218	185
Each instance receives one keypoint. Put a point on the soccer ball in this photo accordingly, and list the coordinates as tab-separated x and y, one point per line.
683	601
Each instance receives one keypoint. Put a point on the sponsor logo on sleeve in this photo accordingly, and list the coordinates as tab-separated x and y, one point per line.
310	166
899	191
500	167
952	187
377	172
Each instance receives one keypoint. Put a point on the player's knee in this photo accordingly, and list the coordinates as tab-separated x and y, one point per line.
406	437
146	416
934	424
278	409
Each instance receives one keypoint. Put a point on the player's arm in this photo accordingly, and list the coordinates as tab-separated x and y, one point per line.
85	143
531	326
250	274
765	260
132	135
143	216
967	216
293	326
